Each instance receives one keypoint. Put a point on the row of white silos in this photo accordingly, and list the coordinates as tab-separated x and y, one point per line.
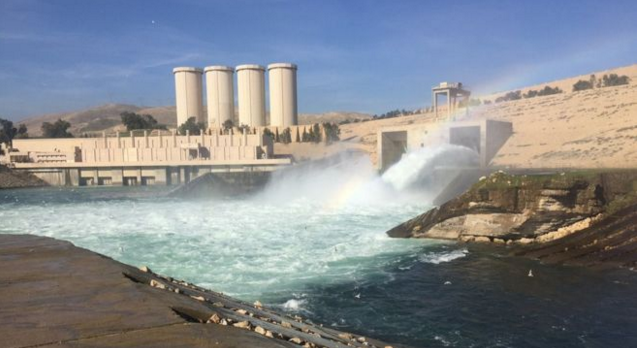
250	94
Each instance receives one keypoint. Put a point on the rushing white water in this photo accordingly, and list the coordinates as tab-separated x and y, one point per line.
310	225
418	165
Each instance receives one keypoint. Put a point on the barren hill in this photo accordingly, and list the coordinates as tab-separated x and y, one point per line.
107	118
586	129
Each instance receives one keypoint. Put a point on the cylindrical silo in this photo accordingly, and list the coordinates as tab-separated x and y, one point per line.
282	82
220	98
251	95
188	94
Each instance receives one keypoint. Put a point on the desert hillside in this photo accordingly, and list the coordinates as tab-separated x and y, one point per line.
586	129
107	118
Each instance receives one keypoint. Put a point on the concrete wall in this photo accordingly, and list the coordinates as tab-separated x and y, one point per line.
220	95
484	136
282	80
392	146
146	175
188	94
251	95
156	148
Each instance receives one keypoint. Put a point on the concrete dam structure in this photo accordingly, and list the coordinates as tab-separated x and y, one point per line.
282	79
220	95
145	159
485	137
251	95
188	94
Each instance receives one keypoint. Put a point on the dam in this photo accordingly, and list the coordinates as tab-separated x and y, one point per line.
142	158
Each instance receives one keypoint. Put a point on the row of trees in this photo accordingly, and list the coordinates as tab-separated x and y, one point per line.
328	132
517	95
606	81
394	113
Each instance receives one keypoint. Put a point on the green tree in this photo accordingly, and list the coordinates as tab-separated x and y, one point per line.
305	136
57	129
298	137
268	133
332	132
286	136
192	126
7	131
243	128
315	135
134	121
23	132
228	126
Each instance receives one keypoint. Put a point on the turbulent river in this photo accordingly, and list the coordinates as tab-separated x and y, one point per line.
313	243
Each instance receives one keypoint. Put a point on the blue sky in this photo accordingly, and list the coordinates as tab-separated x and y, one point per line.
354	55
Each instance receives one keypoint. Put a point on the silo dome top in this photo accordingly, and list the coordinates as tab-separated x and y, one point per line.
187	69
250	67
282	66
218	68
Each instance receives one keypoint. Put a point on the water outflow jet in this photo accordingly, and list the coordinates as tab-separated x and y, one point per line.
350	178
416	169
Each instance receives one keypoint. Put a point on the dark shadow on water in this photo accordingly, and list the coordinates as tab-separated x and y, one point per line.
484	299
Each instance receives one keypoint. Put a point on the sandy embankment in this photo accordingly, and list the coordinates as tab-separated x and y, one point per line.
588	129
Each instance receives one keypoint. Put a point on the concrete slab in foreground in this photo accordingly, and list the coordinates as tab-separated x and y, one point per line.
55	294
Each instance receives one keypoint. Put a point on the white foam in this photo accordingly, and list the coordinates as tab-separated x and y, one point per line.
318	225
419	164
293	305
442	256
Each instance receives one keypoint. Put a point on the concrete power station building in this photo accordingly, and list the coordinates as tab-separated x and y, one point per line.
220	95
282	78
251	95
188	94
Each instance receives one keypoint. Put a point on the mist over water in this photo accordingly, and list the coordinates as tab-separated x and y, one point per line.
313	243
318	223
416	167
351	180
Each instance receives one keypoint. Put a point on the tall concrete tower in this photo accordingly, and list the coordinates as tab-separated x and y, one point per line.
220	97
251	95
282	81
188	94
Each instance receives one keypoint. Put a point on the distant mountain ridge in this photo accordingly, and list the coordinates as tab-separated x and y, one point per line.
106	117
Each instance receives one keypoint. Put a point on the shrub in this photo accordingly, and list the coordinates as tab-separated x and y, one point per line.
549	91
530	94
516	95
614	80
582	85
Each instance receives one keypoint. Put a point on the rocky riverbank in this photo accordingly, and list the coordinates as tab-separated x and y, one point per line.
13	179
56	294
577	218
